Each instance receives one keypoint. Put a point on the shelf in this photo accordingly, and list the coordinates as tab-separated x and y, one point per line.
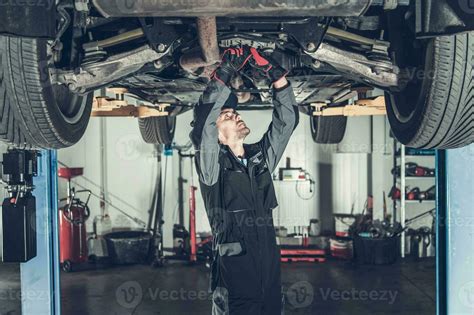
407	208
418	201
410	156
418	177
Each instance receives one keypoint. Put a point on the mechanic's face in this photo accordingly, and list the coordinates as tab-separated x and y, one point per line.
231	126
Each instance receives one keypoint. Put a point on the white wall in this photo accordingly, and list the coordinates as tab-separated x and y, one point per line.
341	172
382	164
301	150
130	169
344	174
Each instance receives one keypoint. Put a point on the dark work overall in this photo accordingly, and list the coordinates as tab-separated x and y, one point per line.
246	270
239	200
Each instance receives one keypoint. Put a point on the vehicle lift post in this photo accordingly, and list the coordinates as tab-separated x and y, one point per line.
455	231
40	282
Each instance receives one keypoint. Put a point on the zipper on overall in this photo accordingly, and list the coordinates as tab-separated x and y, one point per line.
250	171
251	166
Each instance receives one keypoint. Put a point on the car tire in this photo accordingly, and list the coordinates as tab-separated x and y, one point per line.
436	110
157	130
10	131
328	129
48	115
67	266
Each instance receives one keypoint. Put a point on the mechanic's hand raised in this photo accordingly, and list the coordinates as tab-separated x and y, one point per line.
233	60
266	66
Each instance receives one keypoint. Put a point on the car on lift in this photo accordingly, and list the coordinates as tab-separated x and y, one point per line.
55	54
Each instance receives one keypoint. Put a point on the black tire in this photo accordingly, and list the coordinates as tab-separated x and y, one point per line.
157	130
436	110
67	266
328	129
10	132
48	115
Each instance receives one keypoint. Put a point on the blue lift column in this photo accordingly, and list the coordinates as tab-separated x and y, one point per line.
455	235
40	285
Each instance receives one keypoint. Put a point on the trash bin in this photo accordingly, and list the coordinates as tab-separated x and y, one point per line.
376	251
128	247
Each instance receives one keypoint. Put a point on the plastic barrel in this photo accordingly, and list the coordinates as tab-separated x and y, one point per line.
343	223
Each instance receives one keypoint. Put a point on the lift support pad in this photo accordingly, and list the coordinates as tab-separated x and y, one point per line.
364	107
110	107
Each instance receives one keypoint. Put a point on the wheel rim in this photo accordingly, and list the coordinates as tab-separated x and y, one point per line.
406	102
414	58
71	106
171	125
312	124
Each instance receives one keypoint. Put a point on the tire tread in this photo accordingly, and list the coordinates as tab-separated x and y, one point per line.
157	130
328	130
26	92
448	119
10	132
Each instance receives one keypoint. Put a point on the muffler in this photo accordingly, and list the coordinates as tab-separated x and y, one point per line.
242	8
208	53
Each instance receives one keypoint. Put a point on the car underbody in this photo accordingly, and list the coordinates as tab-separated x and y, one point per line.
326	63
163	53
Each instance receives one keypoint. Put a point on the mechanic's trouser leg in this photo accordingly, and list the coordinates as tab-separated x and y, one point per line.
221	305
220	301
272	304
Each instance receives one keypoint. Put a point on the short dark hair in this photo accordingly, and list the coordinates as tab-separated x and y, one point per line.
231	102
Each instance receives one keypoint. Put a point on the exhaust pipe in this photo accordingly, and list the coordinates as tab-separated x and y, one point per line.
208	54
243	8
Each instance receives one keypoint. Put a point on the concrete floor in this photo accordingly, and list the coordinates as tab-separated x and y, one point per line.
333	287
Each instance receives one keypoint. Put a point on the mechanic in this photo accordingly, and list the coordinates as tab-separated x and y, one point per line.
237	188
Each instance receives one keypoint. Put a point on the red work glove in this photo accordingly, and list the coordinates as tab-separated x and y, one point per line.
233	59
267	66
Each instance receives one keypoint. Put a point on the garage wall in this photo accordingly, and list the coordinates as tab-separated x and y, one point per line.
300	150
129	172
342	177
344	174
382	163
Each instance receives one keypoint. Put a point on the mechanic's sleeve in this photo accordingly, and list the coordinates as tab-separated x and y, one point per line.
284	120
204	134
